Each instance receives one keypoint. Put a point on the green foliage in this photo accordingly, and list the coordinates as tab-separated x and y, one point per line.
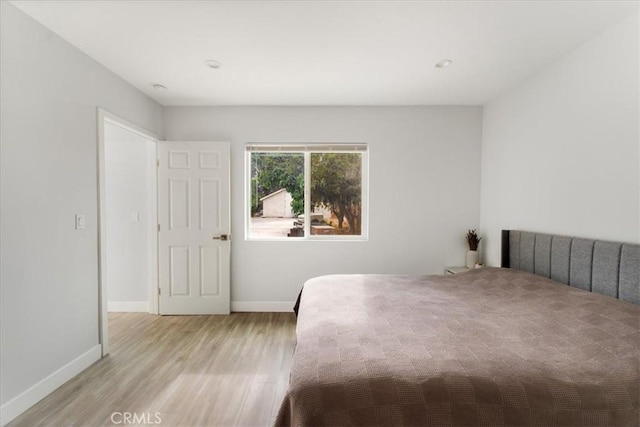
336	184
272	171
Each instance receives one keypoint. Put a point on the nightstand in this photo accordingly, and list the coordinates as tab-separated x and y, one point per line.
450	271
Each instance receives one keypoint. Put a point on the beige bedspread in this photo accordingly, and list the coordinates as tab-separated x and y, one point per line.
489	347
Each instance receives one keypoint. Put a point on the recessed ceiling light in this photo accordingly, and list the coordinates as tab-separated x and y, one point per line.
159	87
444	63
212	64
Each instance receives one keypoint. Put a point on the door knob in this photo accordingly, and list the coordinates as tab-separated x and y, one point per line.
221	237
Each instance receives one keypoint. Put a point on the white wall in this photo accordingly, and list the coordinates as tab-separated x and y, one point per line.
127	218
48	270
560	153
424	190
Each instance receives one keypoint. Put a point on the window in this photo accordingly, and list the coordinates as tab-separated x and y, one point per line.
314	192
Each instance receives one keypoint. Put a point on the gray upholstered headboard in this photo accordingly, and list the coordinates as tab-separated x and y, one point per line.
607	268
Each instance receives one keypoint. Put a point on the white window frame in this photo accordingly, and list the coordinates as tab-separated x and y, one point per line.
307	150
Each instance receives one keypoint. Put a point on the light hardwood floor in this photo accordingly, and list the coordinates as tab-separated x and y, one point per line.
191	370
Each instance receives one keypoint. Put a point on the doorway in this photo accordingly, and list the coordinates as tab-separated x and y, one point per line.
127	216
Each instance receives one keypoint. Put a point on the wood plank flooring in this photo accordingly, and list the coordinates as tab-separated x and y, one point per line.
191	370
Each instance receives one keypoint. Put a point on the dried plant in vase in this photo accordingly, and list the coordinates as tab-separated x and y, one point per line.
473	240
472	255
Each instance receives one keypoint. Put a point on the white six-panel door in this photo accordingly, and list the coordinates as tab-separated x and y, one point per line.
194	225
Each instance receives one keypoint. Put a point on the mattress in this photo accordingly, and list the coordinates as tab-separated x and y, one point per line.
489	347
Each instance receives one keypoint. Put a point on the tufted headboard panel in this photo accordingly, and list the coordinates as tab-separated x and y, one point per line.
608	268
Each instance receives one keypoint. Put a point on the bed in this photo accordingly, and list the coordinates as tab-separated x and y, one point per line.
533	343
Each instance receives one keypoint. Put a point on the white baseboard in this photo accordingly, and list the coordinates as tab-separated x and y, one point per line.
37	392
128	306
249	306
262	306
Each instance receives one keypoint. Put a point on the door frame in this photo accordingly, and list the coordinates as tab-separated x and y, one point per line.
103	117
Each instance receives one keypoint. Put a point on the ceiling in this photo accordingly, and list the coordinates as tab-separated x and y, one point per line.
326	52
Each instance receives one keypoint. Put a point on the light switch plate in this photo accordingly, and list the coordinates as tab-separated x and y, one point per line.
80	222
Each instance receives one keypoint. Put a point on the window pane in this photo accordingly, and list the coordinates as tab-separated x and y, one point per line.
336	193
277	195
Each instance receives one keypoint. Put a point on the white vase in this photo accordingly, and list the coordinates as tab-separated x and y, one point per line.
472	259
